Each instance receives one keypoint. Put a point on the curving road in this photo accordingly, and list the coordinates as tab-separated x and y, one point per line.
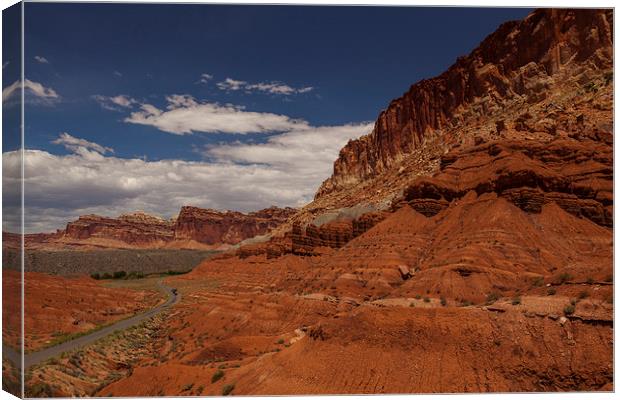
36	357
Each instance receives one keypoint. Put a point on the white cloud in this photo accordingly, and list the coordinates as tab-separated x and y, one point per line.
276	88
285	171
185	115
35	93
116	73
205	78
115	103
41	59
79	146
231	84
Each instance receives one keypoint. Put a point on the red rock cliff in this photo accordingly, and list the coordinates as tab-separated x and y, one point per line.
197	225
517	62
230	227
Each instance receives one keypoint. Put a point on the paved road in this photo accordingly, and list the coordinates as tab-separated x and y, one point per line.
36	357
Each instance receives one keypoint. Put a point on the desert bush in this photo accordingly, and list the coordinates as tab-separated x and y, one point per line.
95	276
564	277
187	387
219	374
538	281
583	294
443	301
427	300
492	297
569	309
280	341
227	389
551	291
119	274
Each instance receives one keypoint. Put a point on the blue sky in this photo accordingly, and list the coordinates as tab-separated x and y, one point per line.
251	102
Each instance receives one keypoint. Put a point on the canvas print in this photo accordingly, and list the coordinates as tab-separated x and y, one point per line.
221	200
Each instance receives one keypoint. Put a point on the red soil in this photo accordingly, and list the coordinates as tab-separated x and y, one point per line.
57	306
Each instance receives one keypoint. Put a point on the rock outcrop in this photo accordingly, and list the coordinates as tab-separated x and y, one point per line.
576	175
230	227
519	65
334	234
193	228
138	229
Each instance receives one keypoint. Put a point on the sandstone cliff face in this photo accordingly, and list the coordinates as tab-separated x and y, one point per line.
520	64
193	228
230	227
576	175
138	229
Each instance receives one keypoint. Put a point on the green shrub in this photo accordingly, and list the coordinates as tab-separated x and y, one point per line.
106	276
583	294
569	309
590	280
418	297
551	291
95	276
119	274
219	374
564	277
443	301
227	389
427	300
280	341
492	297
538	281
187	387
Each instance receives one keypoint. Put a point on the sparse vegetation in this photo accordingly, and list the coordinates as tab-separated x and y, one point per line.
538	281
551	291
280	341
516	300
492	297
590	280
427	300
412	304
443	301
227	389
569	309
564	277
583	294
187	387
219	374
119	274
418	296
